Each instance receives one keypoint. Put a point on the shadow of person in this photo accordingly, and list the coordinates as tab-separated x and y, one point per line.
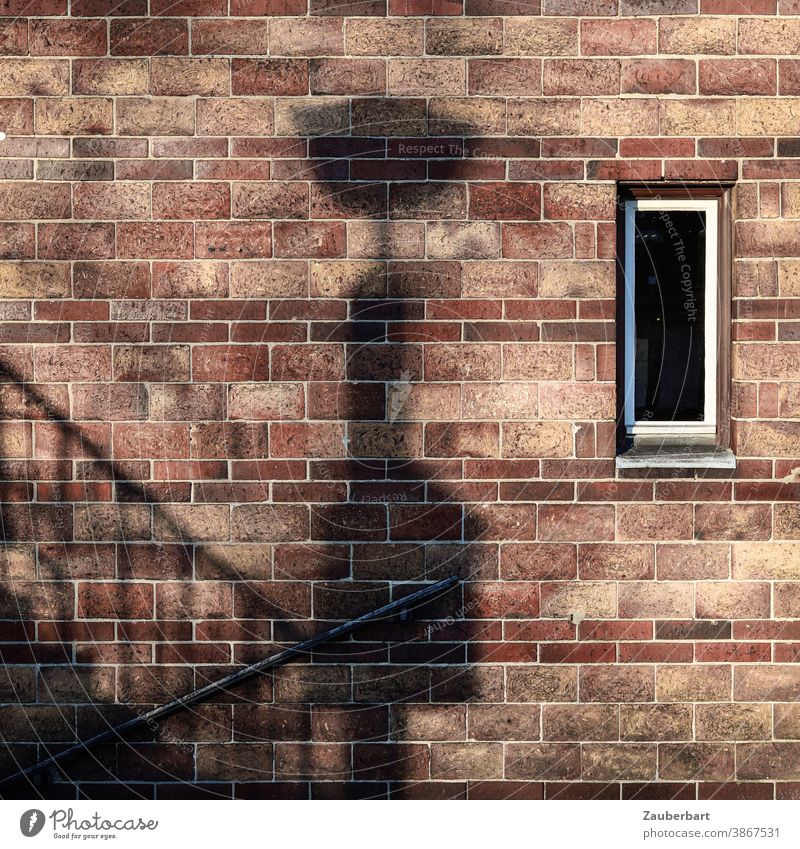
410	513
402	498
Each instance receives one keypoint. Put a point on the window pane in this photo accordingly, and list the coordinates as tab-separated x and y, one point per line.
670	255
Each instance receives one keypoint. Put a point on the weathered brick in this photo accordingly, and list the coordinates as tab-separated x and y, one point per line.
659	76
581	76
193	201
764	116
611	683
421	77
180	77
532	36
696	761
520	77
738	76
766	561
155	116
655	521
697	117
388	116
157	240
37	77
307	37
111	201
379	37
618	37
728	600
64	116
222	37
57	37
656	722
687	683
149	37
544	116
628	117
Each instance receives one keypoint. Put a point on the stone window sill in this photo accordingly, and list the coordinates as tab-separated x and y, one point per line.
662	455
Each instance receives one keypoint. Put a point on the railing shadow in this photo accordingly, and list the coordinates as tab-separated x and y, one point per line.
406	518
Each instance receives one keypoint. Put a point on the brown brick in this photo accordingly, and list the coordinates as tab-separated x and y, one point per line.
532	36
699	684
543	761
62	116
759	760
111	201
656	722
581	76
181	77
696	761
544	116
735	521
655	521
580	722
617	684
215	36
58	37
347	76
502	722
542	683
379	37
28	77
734	722
729	600
518	77
155	116
149	37
466	760
421	77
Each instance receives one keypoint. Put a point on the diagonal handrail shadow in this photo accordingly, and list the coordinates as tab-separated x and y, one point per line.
365	330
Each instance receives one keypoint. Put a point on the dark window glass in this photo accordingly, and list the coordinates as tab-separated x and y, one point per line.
670	263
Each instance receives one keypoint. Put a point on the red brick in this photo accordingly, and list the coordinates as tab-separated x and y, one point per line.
193	201
223	37
111	201
618	37
158	240
233	241
157	116
115	600
545	240
738	76
658	76
517	201
315	239
148	37
64	37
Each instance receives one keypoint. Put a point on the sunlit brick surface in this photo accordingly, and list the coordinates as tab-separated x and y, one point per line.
305	305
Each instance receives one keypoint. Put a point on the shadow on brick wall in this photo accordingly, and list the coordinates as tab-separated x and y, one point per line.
406	519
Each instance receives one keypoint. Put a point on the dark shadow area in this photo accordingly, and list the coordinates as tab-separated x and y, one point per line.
399	515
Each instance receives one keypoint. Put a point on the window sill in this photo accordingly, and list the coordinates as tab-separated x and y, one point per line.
661	455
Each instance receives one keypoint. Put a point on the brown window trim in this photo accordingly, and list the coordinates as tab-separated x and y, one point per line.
722	191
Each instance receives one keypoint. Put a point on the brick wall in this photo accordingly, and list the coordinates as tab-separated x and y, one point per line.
302	306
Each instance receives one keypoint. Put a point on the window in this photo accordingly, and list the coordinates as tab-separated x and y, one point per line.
675	338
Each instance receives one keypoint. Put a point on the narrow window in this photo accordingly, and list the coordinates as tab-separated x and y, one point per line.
675	315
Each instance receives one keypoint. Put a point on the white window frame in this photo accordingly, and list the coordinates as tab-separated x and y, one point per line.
671	428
